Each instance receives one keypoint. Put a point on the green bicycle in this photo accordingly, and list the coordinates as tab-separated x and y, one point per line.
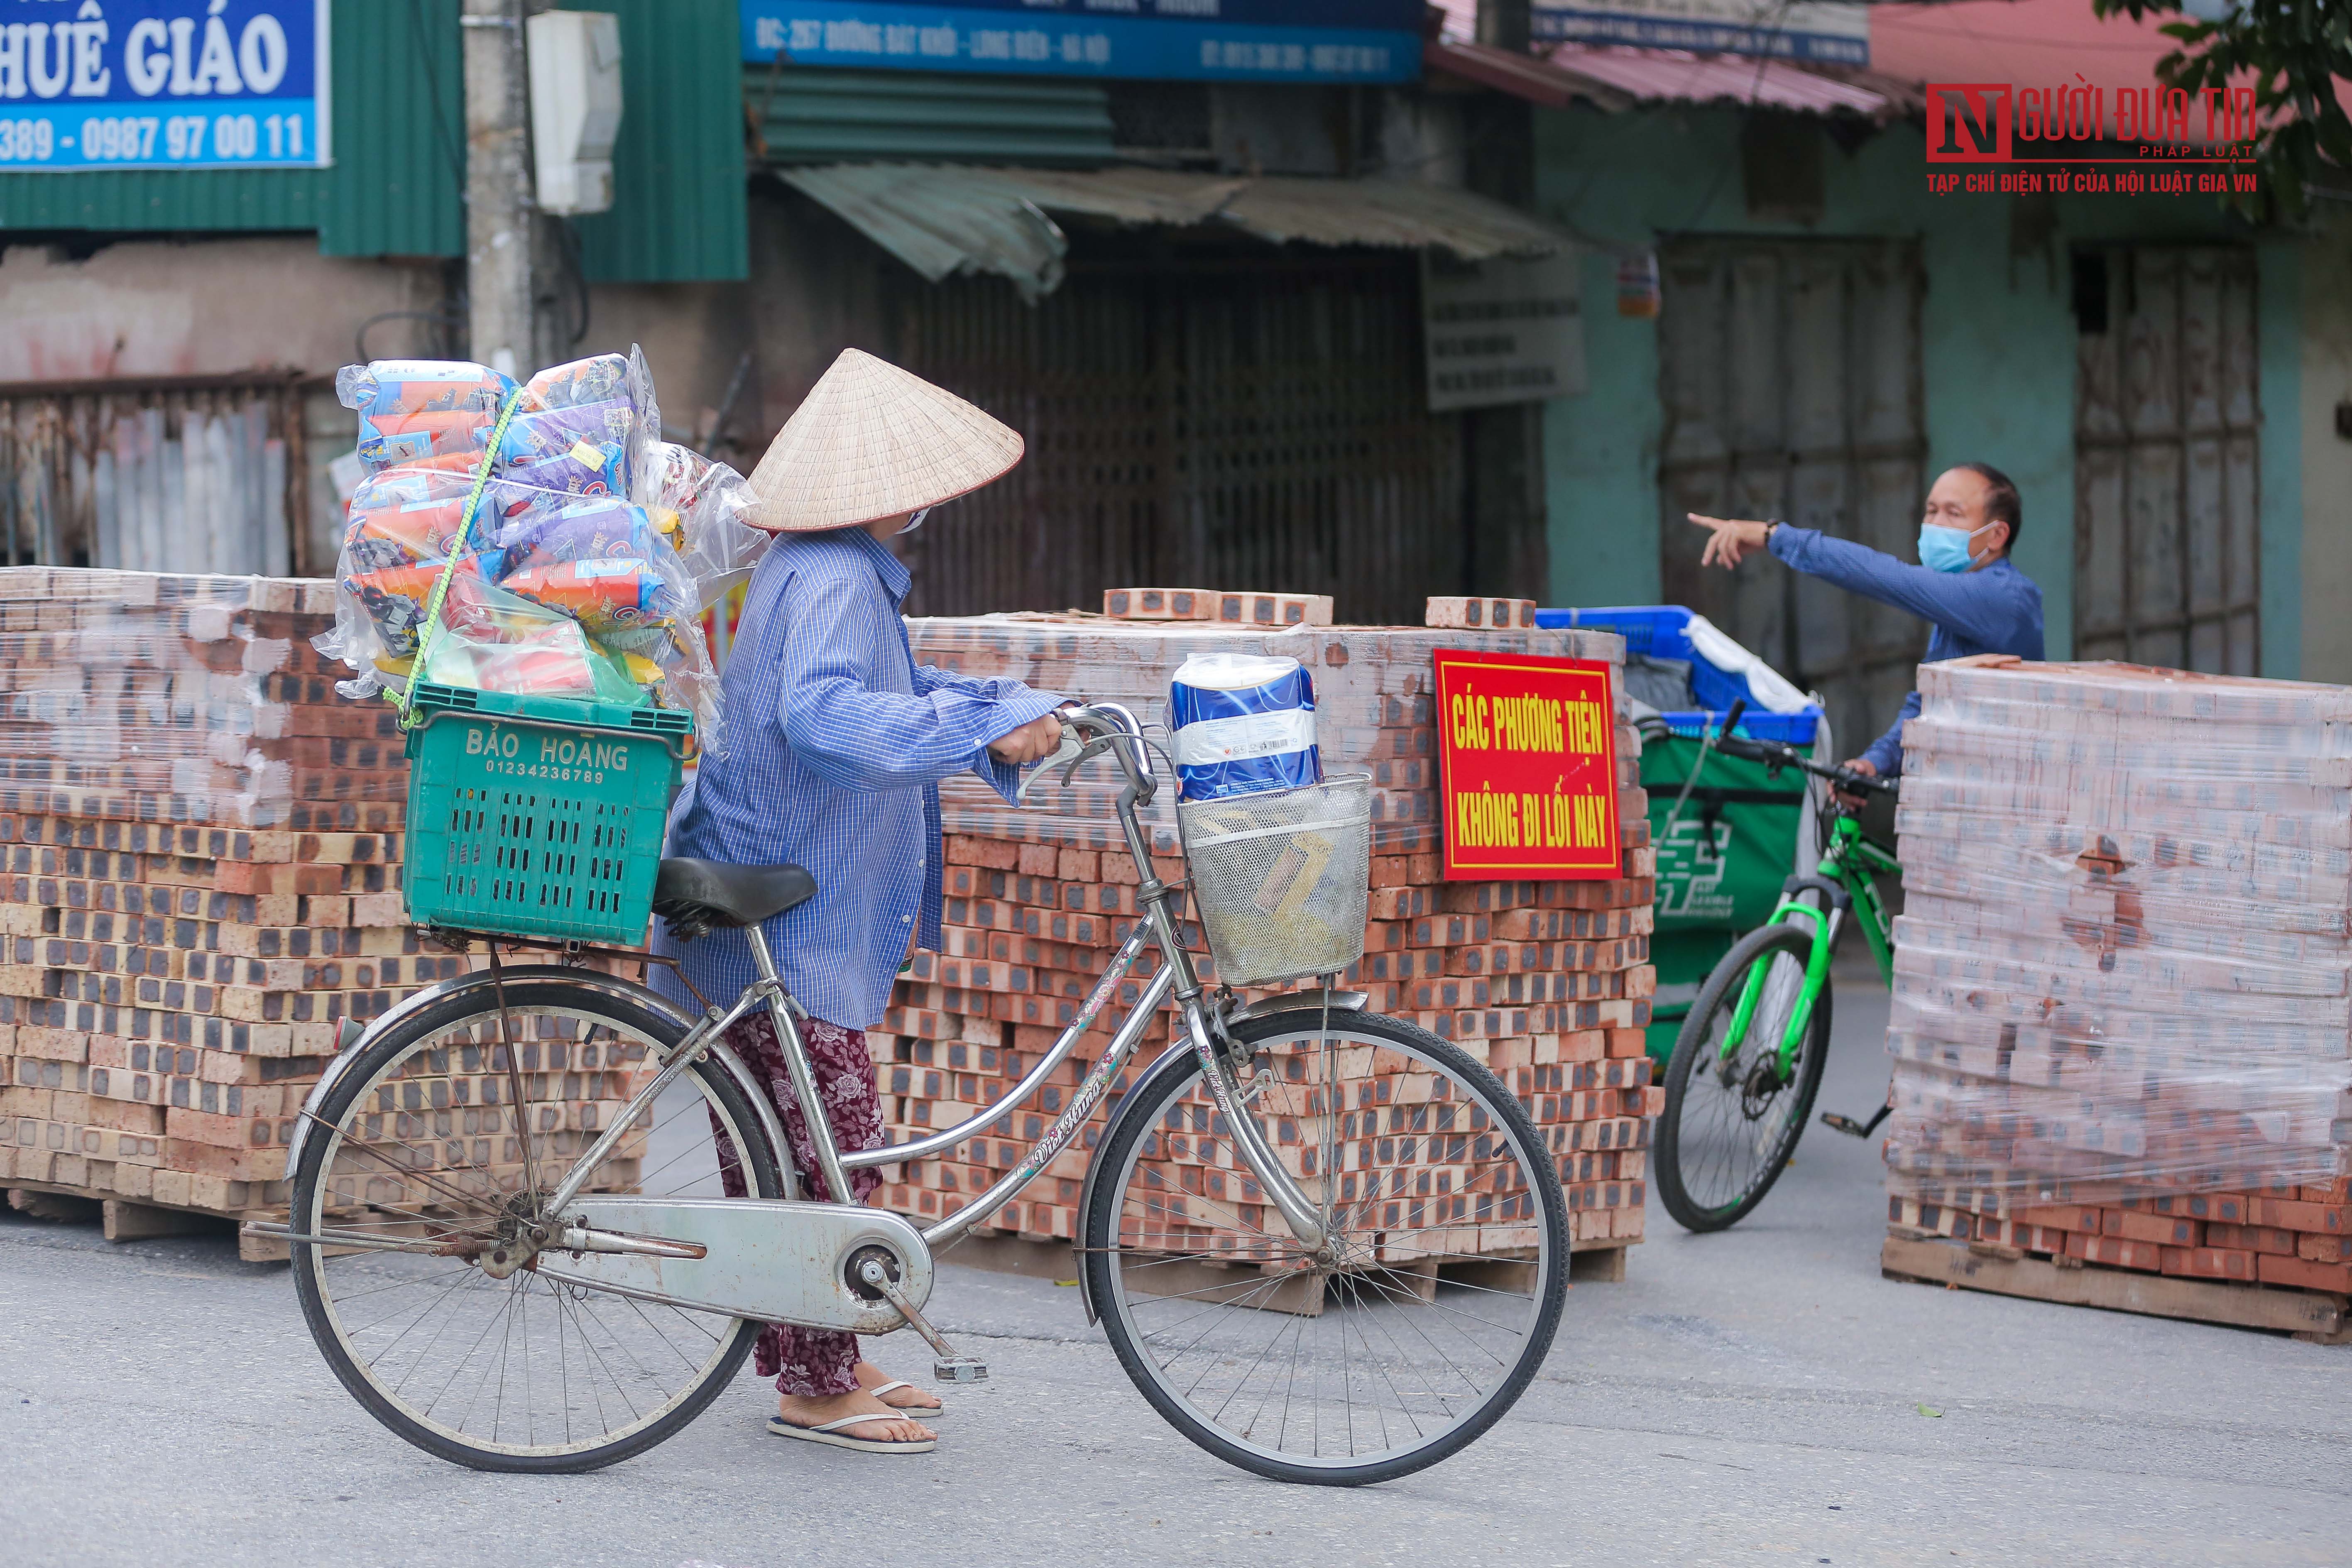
1747	1063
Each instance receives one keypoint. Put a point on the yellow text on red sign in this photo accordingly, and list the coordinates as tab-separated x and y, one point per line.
1527	759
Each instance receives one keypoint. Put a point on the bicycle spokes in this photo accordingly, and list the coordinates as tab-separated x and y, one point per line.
1739	1100
1425	1300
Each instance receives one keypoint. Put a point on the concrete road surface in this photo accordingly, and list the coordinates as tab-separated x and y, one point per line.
1758	1396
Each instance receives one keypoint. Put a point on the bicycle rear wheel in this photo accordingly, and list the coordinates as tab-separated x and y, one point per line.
437	1134
1732	1122
1447	1273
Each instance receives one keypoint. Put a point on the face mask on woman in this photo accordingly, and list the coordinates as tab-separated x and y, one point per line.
1946	548
916	521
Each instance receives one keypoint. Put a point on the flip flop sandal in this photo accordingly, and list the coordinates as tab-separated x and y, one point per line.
830	1434
920	1412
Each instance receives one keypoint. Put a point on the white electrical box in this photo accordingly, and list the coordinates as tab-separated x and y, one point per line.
575	106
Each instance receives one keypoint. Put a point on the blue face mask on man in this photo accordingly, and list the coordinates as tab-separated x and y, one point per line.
1946	548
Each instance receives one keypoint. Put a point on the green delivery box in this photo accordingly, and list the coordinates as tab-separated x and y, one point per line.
539	817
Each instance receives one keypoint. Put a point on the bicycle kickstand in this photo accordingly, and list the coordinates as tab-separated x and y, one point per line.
1850	1127
947	1366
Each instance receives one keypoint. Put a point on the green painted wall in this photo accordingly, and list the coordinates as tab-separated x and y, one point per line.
1997	343
2281	329
678	209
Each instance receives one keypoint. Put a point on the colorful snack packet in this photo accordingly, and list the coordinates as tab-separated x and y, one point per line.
595	529
414	485
701	505
557	660
395	597
385	536
387	386
532	437
413	438
596	379
586	470
613	597
464	464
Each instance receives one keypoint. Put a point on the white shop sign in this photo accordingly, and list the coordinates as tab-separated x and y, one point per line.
1503	331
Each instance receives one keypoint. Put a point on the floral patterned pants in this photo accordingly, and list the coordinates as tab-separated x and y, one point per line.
812	1363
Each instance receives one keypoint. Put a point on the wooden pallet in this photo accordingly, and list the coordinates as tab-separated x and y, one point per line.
2311	1315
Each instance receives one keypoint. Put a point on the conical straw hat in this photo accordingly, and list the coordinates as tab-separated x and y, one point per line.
873	441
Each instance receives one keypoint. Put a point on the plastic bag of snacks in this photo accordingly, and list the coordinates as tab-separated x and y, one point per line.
701	504
585	549
412	410
579	427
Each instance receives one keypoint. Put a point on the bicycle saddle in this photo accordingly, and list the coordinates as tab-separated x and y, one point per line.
699	896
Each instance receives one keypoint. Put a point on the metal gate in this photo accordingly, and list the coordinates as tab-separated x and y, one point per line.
1221	424
198	474
1789	375
2166	430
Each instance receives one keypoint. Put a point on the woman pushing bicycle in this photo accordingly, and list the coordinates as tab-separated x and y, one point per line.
540	1213
838	745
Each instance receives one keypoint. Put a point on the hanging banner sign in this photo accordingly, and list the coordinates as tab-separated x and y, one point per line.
1527	767
163	84
1178	40
1833	31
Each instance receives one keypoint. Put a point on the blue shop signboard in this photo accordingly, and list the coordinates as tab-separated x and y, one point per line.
163	84
1197	40
1832	31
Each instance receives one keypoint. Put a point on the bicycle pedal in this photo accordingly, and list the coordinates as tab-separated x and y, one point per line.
947	1364
1846	1124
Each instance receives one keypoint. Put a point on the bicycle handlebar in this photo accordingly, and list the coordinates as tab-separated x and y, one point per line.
1089	730
1778	754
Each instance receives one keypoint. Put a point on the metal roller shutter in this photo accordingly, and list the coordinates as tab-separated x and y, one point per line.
1254	422
1789	373
2166	449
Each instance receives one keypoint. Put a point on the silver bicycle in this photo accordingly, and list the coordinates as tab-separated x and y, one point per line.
539	1213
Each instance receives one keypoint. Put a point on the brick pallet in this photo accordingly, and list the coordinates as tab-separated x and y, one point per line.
1546	982
200	847
2120	1025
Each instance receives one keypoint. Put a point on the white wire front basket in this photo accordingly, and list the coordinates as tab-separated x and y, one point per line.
1282	877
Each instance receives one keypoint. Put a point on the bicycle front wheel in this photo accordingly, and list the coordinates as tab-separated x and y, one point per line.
1732	1120
1428	1312
451	1131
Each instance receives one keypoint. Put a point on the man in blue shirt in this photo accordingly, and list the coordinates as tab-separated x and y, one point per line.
1965	584
835	748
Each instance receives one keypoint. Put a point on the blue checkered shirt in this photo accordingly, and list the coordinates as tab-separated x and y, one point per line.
836	744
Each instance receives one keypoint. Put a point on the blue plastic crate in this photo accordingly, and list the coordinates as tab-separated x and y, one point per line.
1663	631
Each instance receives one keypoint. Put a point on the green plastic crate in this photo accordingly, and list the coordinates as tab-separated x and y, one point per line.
538	816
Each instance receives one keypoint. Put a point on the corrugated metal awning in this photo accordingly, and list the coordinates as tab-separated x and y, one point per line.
1670	76
944	220
1616	79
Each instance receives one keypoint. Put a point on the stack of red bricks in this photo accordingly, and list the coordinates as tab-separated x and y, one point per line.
199	880
2123	1002
1546	982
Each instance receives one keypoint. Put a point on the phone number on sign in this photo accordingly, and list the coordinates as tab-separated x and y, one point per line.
159	138
543	771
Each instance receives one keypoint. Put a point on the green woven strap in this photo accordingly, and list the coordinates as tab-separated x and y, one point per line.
461	548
